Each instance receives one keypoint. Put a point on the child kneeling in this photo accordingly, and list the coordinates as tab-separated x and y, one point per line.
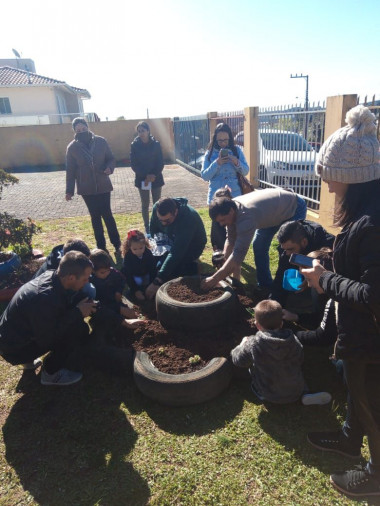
274	356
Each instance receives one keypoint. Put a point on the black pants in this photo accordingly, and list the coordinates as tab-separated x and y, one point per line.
363	406
99	206
67	352
218	236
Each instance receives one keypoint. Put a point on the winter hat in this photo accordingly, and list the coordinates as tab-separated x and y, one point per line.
351	154
78	120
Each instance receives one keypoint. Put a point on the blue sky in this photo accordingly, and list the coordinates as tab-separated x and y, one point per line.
180	57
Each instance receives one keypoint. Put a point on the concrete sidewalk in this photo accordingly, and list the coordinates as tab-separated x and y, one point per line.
41	195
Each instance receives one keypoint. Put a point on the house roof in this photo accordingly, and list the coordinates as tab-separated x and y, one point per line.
10	77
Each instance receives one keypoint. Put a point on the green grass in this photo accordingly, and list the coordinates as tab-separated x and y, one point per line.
101	442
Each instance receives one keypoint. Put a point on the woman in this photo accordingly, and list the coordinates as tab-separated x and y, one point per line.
220	170
89	163
147	163
349	162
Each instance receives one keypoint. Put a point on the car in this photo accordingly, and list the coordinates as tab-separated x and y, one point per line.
286	159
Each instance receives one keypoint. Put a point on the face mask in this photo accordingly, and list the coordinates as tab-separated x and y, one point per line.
84	137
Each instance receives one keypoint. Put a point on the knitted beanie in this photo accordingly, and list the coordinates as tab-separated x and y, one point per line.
351	154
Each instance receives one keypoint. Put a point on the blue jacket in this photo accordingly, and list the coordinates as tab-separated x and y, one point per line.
219	176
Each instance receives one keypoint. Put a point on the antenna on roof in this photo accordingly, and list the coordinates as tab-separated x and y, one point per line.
16	53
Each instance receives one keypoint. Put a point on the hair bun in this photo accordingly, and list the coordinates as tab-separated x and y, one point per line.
362	120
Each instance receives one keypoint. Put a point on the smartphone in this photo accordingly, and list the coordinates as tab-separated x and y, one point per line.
224	153
301	260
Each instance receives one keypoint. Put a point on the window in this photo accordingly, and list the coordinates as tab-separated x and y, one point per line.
5	106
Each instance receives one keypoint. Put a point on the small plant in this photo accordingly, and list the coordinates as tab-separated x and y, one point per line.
17	234
194	360
250	311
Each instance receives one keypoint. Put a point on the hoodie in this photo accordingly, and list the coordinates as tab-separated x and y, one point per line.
274	358
187	234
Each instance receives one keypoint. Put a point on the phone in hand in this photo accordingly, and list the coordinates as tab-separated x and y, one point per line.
301	260
224	153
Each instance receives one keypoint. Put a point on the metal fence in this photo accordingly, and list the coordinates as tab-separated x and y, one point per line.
289	140
191	138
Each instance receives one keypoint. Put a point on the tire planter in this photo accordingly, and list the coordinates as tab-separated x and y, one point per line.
181	389
174	314
9	265
6	294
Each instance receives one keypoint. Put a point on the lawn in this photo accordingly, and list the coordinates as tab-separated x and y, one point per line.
101	442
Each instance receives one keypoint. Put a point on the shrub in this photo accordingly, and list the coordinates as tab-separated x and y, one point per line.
13	231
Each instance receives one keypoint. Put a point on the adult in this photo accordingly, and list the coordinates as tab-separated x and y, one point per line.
55	256
89	163
221	164
303	237
42	318
349	162
260	211
147	163
186	235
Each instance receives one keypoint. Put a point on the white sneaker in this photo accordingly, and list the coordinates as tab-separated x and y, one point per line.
32	366
317	398
62	377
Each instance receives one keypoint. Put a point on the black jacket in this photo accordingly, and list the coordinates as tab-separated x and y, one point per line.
147	159
355	285
42	311
317	238
139	272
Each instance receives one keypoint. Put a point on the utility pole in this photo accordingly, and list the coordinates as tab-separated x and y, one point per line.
306	108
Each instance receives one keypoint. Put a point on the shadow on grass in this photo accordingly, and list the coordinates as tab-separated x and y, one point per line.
70	445
290	424
200	419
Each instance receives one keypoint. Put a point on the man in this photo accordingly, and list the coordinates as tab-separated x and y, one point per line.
89	163
55	256
303	237
187	237
42	317
260	211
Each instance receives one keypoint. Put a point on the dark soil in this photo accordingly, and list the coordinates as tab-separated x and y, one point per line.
170	350
189	290
22	275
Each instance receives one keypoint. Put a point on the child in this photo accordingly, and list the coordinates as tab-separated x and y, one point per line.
139	264
109	284
275	356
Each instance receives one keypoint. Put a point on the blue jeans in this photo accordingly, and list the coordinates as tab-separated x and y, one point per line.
261	244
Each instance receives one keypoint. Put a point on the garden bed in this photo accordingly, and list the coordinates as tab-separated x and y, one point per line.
22	275
170	350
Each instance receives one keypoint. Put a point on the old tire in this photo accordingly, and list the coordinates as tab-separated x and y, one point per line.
181	389
10	265
174	314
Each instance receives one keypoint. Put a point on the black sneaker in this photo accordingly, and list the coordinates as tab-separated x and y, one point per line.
333	442
357	482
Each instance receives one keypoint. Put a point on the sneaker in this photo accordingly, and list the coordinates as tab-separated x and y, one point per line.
317	398
333	442
32	366
61	377
357	482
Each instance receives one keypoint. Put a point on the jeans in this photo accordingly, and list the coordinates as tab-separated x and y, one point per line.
99	206
144	196
363	407
261	244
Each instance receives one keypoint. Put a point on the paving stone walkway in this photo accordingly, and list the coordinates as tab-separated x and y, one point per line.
41	195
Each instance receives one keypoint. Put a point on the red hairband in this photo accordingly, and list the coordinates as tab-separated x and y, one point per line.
132	233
